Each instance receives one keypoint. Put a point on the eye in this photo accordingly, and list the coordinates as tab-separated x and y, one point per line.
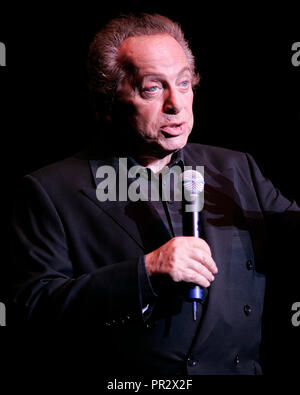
152	88
185	84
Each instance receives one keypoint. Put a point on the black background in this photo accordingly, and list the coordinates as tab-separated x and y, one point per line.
248	98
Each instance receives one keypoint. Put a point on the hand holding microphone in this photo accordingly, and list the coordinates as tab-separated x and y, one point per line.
185	259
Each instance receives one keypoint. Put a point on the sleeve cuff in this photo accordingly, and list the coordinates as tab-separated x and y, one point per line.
147	295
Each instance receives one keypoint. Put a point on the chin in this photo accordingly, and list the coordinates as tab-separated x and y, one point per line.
172	145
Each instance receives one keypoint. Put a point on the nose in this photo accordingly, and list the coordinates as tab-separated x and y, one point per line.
172	102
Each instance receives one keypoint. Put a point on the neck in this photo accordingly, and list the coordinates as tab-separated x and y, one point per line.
153	163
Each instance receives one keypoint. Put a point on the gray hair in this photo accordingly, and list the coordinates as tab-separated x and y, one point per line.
105	71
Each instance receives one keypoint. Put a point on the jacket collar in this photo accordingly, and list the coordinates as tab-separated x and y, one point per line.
149	234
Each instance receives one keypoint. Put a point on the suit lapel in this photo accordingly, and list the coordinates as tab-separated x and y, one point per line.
139	219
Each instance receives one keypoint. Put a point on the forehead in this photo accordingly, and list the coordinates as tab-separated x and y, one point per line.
154	53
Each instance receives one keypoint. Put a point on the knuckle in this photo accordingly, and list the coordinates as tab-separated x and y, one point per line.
176	276
193	278
175	243
202	257
206	246
170	268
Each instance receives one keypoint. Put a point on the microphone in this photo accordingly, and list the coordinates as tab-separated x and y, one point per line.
193	186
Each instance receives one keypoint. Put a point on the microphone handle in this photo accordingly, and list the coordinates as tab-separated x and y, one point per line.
195	293
195	222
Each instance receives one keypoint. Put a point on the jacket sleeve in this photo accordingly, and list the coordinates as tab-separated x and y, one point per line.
281	232
42	287
272	202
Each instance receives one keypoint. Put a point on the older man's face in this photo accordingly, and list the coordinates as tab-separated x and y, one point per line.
160	94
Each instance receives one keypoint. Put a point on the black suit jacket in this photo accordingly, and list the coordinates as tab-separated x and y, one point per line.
79	261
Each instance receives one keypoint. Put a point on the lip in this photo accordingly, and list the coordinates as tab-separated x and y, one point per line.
173	129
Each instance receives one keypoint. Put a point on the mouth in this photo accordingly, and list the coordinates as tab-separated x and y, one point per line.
172	129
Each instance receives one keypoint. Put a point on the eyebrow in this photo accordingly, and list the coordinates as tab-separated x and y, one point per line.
158	75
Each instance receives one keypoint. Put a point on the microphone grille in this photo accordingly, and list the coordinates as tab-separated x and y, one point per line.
193	181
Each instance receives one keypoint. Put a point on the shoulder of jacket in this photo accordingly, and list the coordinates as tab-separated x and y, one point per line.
217	157
70	170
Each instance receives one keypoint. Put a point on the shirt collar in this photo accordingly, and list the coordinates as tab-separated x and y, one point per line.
176	159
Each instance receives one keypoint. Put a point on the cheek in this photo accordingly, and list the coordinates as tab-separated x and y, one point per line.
147	115
189	108
190	101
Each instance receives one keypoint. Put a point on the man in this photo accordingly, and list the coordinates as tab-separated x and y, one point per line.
123	266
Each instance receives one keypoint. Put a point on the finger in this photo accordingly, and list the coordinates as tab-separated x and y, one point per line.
201	243
191	276
201	269
205	259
